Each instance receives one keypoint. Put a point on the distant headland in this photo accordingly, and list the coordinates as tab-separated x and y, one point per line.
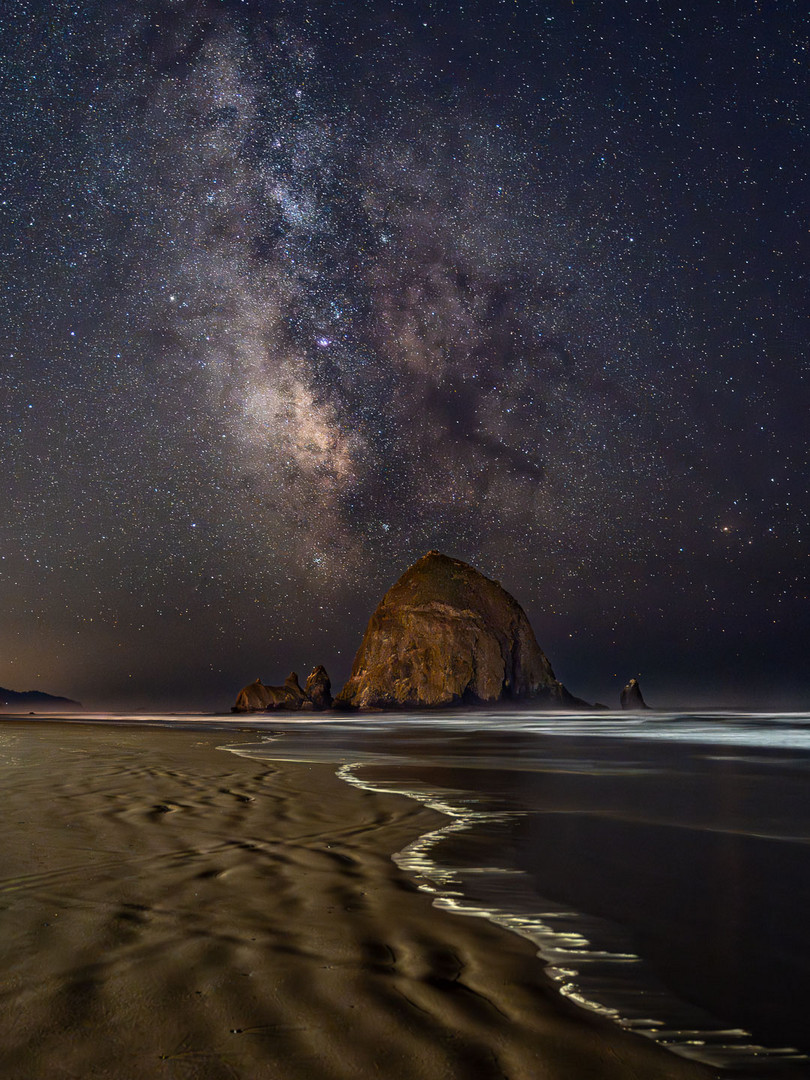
19	700
443	635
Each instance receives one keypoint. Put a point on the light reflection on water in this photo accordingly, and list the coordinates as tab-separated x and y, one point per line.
766	729
601	839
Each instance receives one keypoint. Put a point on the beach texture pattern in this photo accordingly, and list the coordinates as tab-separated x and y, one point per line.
172	911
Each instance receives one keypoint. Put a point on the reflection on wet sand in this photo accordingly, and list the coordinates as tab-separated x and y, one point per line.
661	878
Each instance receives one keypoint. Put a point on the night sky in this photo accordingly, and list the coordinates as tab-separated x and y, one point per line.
294	292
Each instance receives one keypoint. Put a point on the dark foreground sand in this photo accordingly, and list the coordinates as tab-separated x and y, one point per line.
171	910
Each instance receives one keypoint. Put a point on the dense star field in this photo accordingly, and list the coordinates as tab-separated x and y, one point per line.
294	292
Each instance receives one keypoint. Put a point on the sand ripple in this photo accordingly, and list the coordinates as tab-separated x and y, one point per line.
169	910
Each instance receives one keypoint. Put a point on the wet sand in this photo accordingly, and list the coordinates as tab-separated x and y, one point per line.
168	909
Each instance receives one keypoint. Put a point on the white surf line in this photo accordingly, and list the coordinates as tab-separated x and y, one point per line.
558	949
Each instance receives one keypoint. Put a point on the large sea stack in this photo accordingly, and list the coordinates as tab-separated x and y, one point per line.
444	634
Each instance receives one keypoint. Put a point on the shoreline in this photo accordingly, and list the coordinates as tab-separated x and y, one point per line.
172	909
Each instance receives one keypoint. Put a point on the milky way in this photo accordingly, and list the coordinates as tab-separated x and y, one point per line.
296	292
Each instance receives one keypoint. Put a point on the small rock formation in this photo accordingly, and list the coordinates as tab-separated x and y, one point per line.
288	696
631	697
252	698
256	697
319	688
444	634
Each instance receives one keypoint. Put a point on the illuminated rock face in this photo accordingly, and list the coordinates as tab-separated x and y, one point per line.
444	634
257	697
252	697
631	696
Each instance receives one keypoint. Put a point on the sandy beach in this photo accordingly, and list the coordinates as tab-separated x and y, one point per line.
168	909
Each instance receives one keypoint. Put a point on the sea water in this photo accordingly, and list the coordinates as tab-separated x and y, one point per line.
660	863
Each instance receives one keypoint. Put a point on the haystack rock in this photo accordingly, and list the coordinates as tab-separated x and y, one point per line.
631	696
257	697
444	634
319	688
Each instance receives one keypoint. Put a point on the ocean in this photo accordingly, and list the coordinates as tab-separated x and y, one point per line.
660	863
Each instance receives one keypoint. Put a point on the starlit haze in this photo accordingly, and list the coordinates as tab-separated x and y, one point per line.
294	292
